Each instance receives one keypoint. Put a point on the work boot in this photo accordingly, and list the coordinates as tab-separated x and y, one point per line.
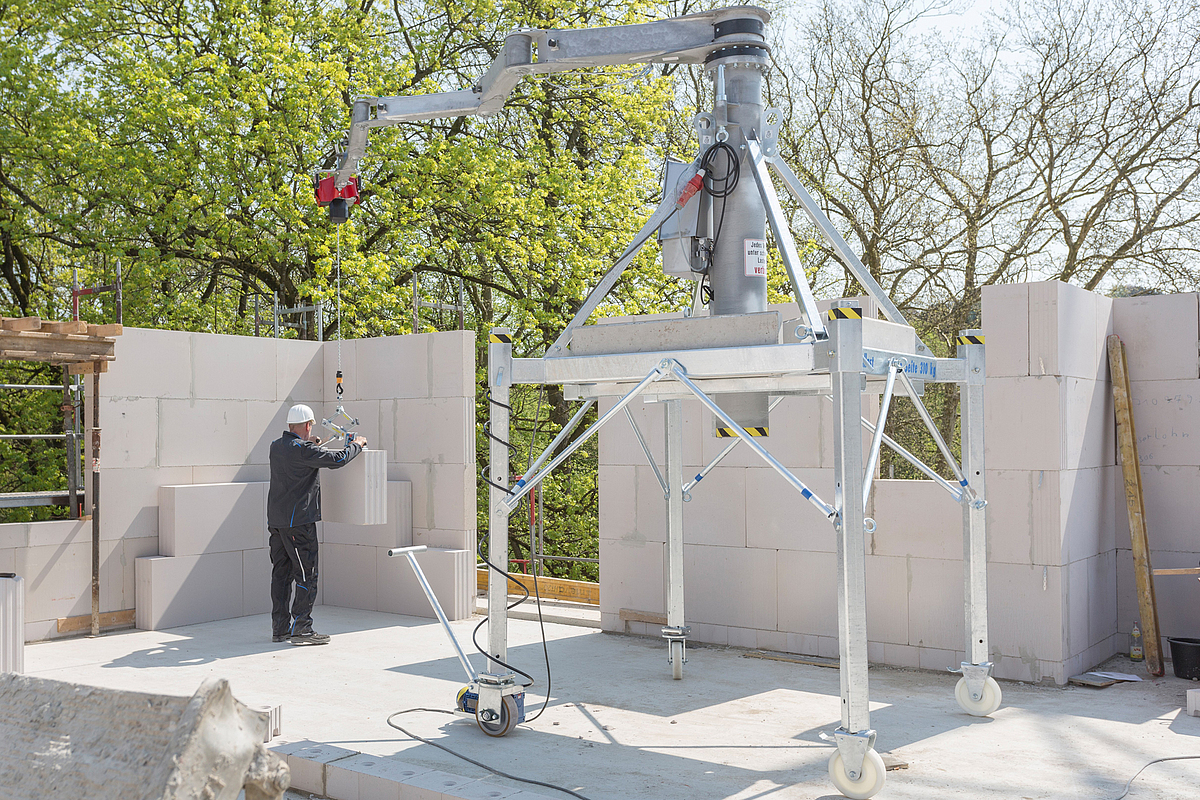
279	637
310	637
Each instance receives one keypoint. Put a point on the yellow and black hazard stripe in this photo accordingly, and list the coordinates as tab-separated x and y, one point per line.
845	313
729	433
500	338
970	340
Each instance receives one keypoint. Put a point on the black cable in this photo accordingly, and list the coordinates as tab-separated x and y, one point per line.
721	188
469	760
1155	761
487	432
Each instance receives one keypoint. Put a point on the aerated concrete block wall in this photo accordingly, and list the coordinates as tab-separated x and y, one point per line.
760	562
182	409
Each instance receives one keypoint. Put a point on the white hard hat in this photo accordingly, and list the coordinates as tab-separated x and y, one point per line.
300	414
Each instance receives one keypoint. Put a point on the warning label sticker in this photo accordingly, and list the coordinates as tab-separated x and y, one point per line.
756	258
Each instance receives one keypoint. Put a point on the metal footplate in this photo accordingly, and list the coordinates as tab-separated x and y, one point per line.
680	635
853	747
976	676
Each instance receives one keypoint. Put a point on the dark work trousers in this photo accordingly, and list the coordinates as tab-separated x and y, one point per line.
293	560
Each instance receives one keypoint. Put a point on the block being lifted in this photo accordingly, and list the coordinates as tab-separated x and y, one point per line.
356	494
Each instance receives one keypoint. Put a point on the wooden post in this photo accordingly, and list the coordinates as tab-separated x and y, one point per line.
1134	502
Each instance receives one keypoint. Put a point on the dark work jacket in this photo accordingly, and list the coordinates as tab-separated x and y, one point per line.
295	495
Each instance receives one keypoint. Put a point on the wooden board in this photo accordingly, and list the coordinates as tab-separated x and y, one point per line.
551	588
109	619
649	617
1135	505
70	326
86	368
811	661
20	323
1092	681
107	330
1184	571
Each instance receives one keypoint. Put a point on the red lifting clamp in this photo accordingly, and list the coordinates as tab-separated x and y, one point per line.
337	201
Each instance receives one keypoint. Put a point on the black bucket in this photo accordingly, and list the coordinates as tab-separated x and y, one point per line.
1185	658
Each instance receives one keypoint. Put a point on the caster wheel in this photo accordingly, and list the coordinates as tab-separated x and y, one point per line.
676	660
988	702
869	782
506	722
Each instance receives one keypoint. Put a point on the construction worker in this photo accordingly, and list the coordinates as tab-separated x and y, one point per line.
293	510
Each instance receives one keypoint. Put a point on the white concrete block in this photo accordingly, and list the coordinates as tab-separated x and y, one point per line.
1160	334
450	574
195	432
1023	423
632	575
130	427
1075	602
443	494
1064	332
367	777
1026	611
1089	511
150	363
1006	327
731	586
130	551
935	603
265	422
444	539
1089	435
619	444
716	514
795	438
1102	598
58	580
392	366
233	367
307	761
1172	508
939	660
299	371
239	473
915	518
185	590
453	370
617	505
1166	422
1193	702
433	785
348	576
779	518
887	599
807	598
212	518
482	790
438	430
650	505
395	532
356	494
56	532
130	498
256	582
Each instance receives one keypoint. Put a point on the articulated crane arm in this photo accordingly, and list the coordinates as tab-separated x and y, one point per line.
683	40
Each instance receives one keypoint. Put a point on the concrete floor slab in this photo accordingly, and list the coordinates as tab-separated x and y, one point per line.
619	727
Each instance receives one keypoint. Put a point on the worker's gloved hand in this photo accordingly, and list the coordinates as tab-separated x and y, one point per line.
361	440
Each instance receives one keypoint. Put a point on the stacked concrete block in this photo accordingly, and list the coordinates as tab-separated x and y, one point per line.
184	590
395	531
180	409
211	518
356	494
451	576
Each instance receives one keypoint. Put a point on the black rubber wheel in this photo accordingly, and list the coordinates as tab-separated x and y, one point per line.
507	721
